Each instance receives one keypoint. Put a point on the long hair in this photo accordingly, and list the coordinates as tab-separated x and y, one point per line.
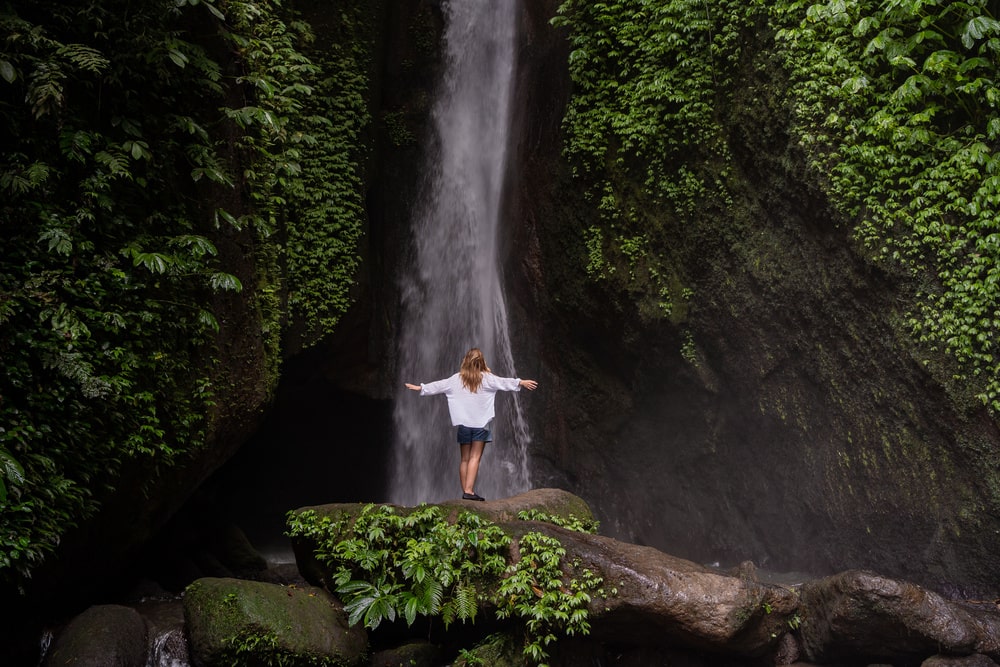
473	367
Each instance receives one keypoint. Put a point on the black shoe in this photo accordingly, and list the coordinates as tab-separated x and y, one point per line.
472	496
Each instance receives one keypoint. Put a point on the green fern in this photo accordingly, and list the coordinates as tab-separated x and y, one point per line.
83	57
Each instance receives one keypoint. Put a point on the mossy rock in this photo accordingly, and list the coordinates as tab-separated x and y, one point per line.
554	502
234	622
102	636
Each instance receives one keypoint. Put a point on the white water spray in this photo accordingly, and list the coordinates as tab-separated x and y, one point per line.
451	295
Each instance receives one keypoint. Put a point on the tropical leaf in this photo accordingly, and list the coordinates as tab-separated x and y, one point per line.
7	71
155	262
10	468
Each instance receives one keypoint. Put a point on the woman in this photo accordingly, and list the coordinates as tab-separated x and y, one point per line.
471	392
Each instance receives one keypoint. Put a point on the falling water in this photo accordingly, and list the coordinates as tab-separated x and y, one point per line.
451	295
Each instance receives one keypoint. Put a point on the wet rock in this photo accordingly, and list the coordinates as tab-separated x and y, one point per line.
788	650
101	636
165	628
653	597
650	599
555	502
860	615
267	623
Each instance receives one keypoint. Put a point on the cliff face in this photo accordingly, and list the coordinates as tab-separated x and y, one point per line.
779	415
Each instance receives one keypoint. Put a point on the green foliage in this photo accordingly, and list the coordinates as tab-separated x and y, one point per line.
133	160
325	214
105	277
497	650
534	590
387	564
572	522
643	132
897	105
10	470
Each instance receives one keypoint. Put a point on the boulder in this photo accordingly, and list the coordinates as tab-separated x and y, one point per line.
102	636
555	502
648	597
267	623
655	598
651	599
863	616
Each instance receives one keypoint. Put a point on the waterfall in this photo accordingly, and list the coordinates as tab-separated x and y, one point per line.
452	298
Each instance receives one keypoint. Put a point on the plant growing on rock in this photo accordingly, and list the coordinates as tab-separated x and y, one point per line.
897	103
387	564
644	135
571	522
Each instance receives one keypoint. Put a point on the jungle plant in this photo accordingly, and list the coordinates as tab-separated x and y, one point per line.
387	564
571	522
136	144
307	176
10	470
105	280
534	590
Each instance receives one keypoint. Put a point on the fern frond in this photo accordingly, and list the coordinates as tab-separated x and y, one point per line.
465	602
84	57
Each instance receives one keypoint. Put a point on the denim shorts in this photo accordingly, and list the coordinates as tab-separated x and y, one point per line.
467	434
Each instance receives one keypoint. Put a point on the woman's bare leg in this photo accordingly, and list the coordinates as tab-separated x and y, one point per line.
468	469
463	465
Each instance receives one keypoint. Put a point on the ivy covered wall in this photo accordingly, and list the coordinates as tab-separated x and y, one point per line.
762	258
181	208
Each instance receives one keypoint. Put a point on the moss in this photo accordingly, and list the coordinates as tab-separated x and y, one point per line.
233	622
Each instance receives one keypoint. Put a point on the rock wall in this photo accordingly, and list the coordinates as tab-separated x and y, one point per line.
784	418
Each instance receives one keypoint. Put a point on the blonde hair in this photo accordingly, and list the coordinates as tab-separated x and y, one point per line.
473	367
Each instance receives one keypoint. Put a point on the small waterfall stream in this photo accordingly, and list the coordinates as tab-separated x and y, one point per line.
451	294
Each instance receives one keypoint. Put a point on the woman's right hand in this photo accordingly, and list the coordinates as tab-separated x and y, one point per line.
414	387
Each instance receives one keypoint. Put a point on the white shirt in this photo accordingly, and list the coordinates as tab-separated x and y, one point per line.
467	408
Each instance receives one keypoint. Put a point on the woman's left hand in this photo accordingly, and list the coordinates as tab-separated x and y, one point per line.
529	384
